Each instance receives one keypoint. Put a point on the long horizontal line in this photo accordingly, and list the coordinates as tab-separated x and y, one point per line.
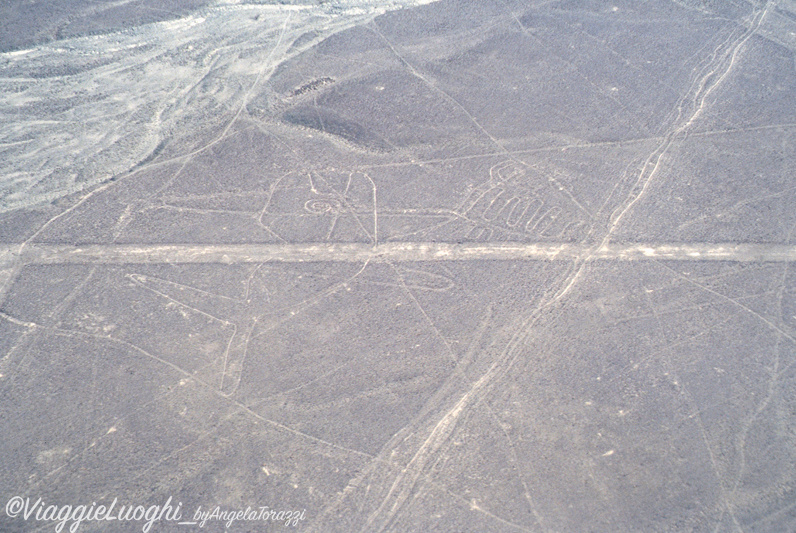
390	251
572	146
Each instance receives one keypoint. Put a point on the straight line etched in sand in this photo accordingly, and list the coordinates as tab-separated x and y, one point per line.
390	251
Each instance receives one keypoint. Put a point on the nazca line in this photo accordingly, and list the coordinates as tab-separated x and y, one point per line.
389	251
